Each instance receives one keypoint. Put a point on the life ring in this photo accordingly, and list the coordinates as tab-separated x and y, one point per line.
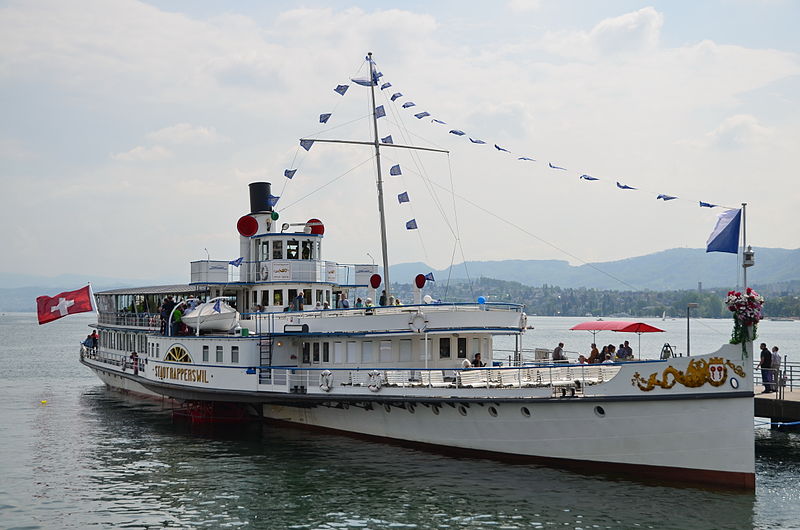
326	380
264	272
374	380
418	323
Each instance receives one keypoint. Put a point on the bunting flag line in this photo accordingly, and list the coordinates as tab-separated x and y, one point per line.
395	170
323	118
422	115
476	141
439	121
403	197
501	148
379	111
411	225
665	197
387	140
588	177
553	166
364	81
341	89
529	159
272	200
236	262
625	187
306	144
408	104
385	85
725	236
707	205
396	95
289	173
429	277
457	132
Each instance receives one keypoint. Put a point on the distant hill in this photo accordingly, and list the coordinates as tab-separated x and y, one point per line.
678	268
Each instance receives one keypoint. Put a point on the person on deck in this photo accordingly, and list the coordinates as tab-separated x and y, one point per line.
776	369
382	299
359	303
594	354
299	300
558	353
476	361
343	302
765	364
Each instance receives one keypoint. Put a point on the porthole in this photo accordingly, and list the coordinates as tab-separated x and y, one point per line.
600	411
435	409
492	412
462	410
525	412
387	408
734	383
410	408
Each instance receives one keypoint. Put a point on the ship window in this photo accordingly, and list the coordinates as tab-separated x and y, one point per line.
476	346
277	297
306	352
405	349
158	351
292	298
315	353
205	353
265	297
277	250
462	348
386	351
255	297
366	352
235	354
338	352
292	249
219	354
319	296
306	250
423	345
326	354
316	250
444	348
352	352
264	254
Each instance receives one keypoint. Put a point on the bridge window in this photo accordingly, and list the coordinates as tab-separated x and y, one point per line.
277	297
444	348
292	249
277	250
315	353
306	353
326	353
306	250
462	348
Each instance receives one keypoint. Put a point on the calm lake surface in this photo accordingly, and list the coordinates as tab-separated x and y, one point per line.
92	458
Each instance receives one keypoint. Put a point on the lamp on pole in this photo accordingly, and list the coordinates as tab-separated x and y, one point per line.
689	307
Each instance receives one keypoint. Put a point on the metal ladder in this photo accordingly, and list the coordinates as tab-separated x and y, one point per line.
265	349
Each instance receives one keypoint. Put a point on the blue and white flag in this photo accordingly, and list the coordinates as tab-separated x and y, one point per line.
272	200
421	115
429	277
289	173
588	177
529	159
323	118
395	170
725	237
408	104
387	140
707	205
341	89
457	132
385	85
476	141
438	121
665	197
379	111
306	144
217	307
364	81
625	186
411	225
501	148
396	95
403	197
553	166
236	262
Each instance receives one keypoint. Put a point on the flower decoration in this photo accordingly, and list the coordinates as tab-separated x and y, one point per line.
746	308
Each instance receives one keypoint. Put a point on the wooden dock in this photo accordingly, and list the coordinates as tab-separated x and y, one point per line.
779	407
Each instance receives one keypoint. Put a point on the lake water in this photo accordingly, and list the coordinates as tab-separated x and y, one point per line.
89	457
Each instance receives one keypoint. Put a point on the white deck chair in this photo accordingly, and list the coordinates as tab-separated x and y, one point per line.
398	377
510	377
473	378
433	378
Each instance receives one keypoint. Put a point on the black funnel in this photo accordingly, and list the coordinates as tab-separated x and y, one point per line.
259	197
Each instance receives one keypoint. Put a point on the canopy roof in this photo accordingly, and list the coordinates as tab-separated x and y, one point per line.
616	325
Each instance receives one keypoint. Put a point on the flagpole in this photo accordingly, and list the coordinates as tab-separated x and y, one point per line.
386	284
744	244
91	298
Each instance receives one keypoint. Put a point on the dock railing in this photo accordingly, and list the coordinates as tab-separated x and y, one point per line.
787	376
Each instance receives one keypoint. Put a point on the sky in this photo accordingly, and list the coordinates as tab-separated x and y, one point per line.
131	129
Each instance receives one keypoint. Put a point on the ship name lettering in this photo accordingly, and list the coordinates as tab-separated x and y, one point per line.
181	374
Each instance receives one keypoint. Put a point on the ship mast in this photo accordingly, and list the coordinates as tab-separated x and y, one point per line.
384	245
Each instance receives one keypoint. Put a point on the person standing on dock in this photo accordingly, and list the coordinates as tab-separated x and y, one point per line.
765	364
776	369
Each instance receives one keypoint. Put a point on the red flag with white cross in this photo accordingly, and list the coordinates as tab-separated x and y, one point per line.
63	304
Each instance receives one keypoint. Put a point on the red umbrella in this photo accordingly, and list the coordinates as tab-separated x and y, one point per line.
617	325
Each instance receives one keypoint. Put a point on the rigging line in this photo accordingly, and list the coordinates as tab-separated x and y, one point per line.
322	132
521	229
413	212
328	183
458	230
450	270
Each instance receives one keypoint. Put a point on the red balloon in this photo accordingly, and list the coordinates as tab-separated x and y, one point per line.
316	226
419	280
375	280
247	225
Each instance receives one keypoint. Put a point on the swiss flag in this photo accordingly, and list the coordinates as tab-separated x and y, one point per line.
63	304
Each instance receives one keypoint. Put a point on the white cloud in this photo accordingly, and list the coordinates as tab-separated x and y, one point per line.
185	133
143	154
521	6
740	131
